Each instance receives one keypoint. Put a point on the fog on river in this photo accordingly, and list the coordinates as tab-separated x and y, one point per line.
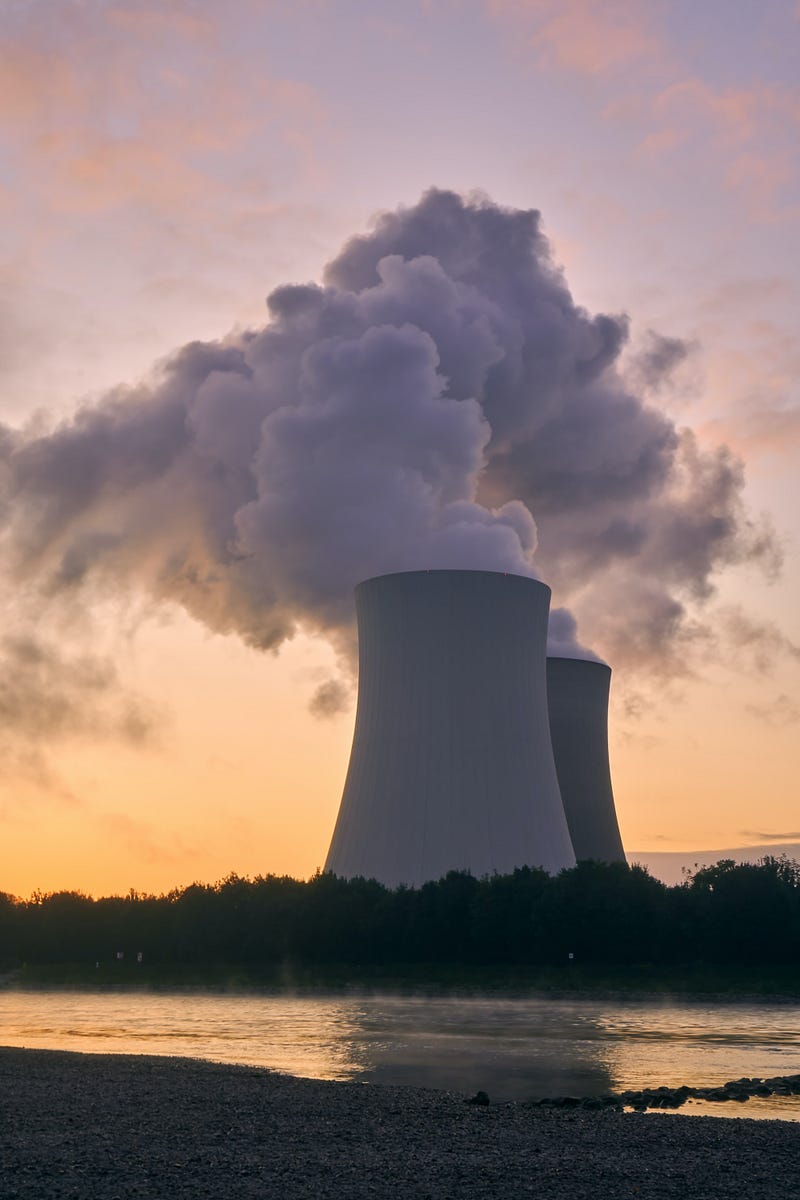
513	1048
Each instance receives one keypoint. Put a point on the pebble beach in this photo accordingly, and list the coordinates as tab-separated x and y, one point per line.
110	1127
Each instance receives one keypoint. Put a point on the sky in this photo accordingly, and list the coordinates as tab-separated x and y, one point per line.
166	167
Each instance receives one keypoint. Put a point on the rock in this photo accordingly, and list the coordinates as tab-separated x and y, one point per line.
480	1098
674	1100
736	1090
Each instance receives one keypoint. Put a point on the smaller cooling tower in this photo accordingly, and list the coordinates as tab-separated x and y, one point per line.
577	698
451	766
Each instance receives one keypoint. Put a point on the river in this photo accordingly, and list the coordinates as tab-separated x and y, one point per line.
513	1048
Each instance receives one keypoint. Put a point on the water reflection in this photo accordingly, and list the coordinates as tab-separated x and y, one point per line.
513	1048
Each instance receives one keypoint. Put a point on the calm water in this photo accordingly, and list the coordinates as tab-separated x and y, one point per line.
513	1048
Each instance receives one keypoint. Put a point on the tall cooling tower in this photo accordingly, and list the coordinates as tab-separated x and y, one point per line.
451	766
577	693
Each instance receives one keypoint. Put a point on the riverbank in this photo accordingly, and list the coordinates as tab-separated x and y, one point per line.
106	1127
717	985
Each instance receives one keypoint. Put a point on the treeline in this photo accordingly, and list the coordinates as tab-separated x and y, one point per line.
596	913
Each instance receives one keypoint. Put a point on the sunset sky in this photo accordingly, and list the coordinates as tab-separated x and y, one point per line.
163	168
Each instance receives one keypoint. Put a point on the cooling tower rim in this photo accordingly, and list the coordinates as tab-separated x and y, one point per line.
579	658
454	571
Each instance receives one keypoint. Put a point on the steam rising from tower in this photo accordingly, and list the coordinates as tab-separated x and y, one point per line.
439	399
451	766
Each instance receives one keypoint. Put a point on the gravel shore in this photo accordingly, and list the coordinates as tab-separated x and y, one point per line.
110	1127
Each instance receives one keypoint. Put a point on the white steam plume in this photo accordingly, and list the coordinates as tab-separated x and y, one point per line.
440	401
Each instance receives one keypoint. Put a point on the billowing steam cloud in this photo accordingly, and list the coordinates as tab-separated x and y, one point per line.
562	637
420	409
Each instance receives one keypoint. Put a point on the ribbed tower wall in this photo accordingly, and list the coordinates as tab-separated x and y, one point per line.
451	766
578	693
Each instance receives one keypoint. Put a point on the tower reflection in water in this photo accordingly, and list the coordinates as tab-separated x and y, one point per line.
514	1050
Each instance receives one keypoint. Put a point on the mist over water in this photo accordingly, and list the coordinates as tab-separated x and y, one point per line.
515	1049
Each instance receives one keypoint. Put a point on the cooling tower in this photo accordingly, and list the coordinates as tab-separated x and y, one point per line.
577	693
451	766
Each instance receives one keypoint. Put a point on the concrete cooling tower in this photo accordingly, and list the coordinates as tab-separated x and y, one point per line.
577	694
451	766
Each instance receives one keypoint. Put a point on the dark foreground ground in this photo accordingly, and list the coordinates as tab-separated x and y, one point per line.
114	1127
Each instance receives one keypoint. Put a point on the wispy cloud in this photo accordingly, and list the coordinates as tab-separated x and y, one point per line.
49	697
590	37
763	642
746	135
46	694
763	836
762	428
138	142
781	711
654	365
331	698
145	842
751	375
752	133
108	107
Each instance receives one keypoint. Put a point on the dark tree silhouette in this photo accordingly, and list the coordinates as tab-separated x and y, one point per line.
599	913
